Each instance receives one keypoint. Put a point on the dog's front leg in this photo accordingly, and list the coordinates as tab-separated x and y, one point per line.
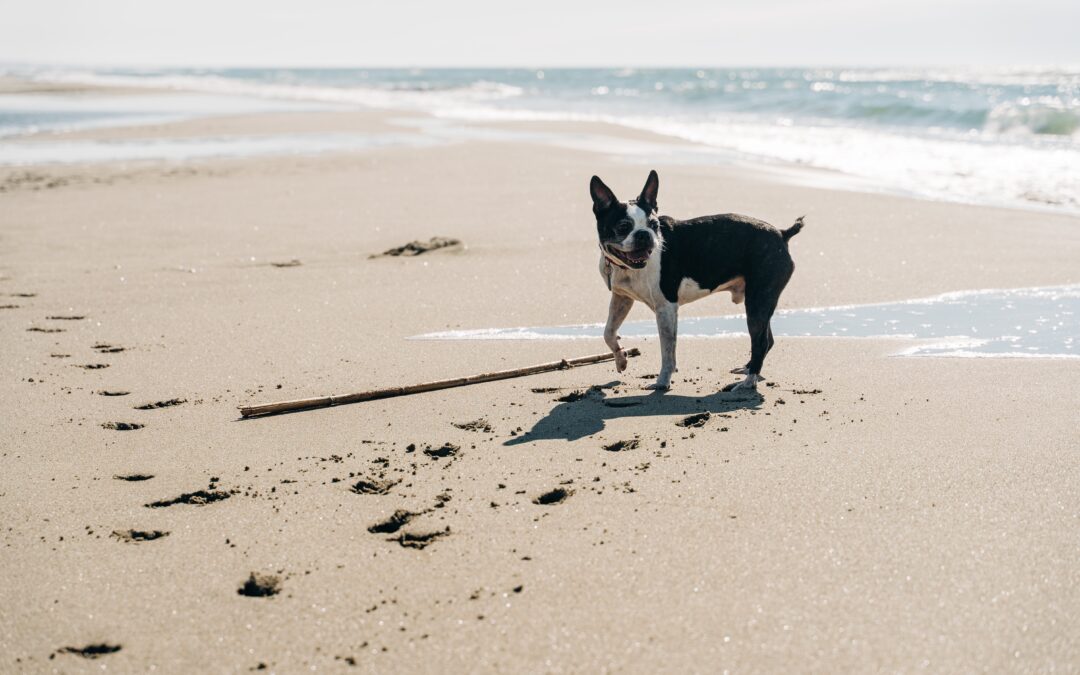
667	325
617	311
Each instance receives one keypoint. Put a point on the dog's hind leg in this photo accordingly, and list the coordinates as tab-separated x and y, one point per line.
743	370
667	325
617	311
770	341
759	311
738	295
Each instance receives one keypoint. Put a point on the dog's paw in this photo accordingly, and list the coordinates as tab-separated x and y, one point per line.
747	385
661	384
620	360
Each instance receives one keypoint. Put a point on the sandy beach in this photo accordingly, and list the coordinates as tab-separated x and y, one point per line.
863	513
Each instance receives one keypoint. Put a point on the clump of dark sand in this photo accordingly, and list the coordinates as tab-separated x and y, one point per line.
135	536
394	523
260	585
620	446
197	498
578	395
446	450
414	248
373	486
696	420
91	651
556	496
475	425
420	540
161	404
122	426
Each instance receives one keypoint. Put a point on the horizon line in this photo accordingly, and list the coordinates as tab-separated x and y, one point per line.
237	66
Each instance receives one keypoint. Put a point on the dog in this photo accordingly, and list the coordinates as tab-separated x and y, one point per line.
665	263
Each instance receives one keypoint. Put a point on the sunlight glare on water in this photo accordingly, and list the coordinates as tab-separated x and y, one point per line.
1025	322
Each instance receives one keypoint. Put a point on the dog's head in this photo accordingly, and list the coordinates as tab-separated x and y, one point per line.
629	231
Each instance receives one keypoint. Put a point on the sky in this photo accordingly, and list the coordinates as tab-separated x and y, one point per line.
540	33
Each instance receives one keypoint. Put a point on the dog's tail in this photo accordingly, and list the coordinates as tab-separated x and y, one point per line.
794	229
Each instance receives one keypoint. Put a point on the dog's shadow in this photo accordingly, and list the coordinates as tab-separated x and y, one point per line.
573	420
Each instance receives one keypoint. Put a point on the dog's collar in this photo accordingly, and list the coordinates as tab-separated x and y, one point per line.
613	259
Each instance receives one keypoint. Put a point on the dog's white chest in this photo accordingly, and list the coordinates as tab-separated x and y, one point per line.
642	285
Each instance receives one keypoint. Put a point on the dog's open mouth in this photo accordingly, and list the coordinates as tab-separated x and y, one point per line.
636	258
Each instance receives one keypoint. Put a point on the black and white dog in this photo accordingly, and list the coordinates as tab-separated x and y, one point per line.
665	263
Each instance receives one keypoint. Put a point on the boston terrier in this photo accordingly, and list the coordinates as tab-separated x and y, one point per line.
665	263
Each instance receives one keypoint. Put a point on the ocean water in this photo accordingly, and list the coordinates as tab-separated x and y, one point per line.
1004	137
27	114
1019	323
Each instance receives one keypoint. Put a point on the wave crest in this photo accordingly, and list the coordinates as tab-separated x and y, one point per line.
1046	116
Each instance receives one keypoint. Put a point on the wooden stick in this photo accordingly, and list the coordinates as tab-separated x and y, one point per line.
328	401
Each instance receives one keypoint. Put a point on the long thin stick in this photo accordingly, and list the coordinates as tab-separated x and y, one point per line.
328	401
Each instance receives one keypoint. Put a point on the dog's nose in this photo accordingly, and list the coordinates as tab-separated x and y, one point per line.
642	238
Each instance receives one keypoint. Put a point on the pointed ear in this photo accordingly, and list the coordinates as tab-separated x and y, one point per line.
648	193
602	196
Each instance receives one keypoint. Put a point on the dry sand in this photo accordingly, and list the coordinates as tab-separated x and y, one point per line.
896	515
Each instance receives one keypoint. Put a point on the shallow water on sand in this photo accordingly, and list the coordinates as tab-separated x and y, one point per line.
1023	322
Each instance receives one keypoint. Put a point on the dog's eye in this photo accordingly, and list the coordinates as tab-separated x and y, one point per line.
623	228
654	224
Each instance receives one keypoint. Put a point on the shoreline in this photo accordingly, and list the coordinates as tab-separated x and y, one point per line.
623	137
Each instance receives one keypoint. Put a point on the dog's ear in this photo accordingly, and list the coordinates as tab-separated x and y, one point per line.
602	196
647	198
